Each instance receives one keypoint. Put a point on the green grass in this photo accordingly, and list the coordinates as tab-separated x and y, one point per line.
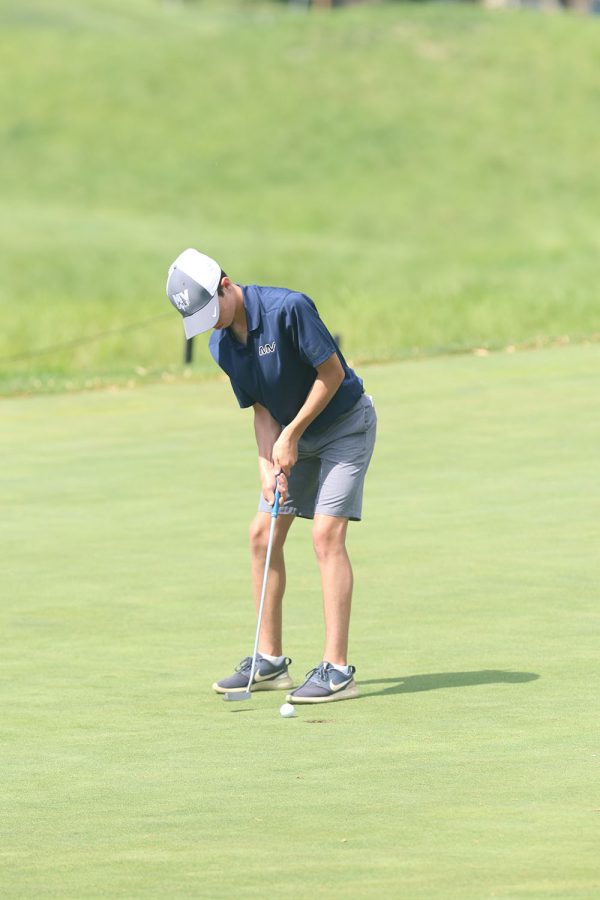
427	173
469	767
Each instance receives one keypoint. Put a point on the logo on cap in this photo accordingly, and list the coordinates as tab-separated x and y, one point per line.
182	299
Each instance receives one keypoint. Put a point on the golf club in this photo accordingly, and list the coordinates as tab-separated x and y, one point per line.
245	695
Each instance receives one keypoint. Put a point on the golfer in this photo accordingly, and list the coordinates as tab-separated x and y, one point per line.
315	432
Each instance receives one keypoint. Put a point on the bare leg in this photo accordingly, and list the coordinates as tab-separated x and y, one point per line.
329	541
271	625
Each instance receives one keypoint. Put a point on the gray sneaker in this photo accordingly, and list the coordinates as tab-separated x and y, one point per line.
323	684
267	677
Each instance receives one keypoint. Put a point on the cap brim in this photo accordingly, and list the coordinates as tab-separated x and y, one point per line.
203	320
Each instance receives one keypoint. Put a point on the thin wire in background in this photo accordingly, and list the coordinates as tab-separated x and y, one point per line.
78	342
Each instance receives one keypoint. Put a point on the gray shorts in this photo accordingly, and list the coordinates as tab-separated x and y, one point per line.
330	473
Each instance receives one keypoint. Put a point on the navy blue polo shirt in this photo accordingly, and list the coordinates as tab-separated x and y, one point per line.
286	342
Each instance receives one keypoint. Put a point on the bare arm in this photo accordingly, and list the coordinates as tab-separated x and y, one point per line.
330	375
267	430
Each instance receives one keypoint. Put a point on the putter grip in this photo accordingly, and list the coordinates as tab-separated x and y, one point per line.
275	507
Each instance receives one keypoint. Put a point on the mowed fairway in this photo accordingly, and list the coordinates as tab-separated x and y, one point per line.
470	766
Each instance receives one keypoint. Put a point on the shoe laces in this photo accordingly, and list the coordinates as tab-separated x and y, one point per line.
245	665
319	672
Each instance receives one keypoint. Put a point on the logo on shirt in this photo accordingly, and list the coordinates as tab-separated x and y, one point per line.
266	348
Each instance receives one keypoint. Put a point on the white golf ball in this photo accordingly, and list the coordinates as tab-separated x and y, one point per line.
287	711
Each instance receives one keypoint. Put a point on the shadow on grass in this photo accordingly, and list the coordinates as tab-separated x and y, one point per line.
412	684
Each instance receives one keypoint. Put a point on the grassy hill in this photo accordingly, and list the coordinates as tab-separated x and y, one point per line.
427	174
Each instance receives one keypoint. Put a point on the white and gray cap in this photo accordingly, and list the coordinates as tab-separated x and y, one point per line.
192	286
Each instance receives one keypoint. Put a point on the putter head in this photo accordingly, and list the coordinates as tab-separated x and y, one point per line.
237	695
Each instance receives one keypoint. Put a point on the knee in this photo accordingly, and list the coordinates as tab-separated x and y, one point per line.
259	535
328	541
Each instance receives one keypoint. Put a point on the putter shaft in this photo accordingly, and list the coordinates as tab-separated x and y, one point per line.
245	695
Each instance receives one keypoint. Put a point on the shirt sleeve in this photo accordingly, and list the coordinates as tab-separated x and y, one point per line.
309	335
243	398
215	348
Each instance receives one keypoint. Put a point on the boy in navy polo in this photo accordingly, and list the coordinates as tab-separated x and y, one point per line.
315	432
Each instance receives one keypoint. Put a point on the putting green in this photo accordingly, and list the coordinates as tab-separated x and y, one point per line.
469	767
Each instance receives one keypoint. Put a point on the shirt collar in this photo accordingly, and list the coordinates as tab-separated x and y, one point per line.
251	306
